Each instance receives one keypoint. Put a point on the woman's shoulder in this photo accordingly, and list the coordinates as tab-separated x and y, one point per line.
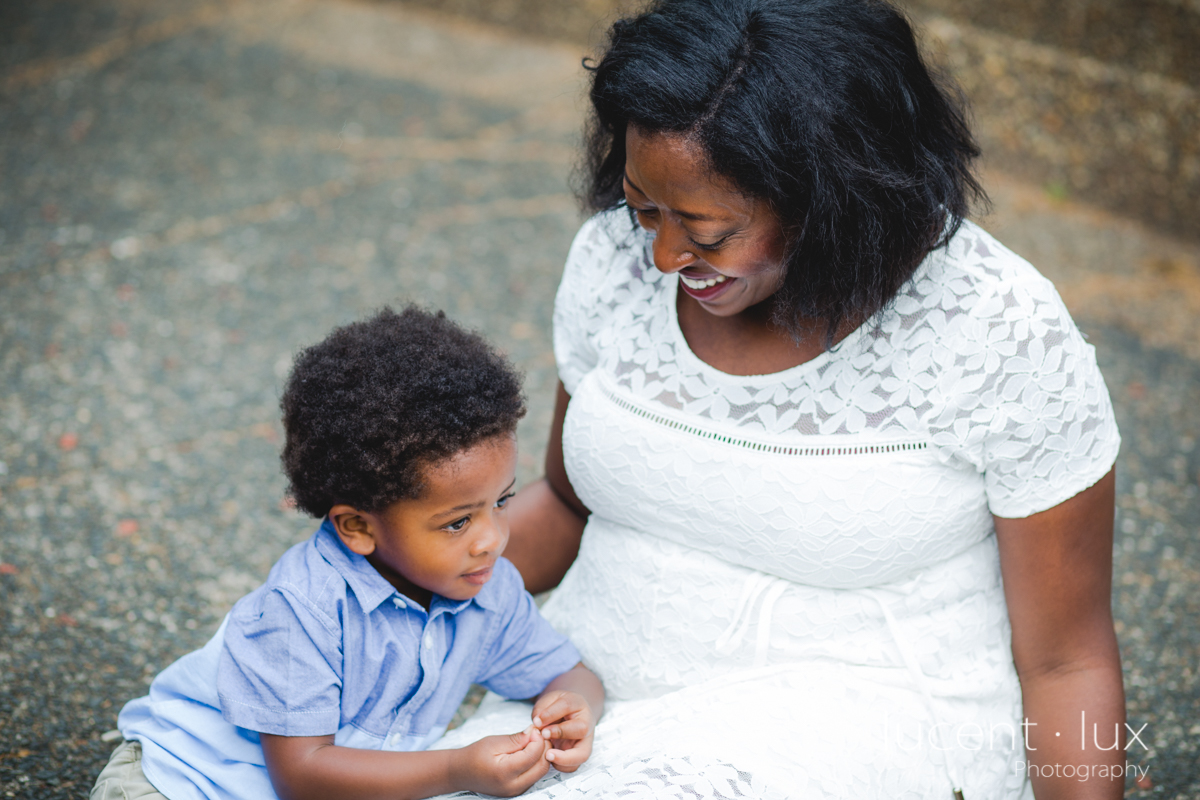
976	288
981	272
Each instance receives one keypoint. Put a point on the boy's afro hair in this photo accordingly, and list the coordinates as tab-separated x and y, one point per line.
368	408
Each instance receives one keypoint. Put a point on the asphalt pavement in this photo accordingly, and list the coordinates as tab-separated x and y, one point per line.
192	191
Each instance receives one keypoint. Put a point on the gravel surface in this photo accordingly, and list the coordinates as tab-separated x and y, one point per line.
192	191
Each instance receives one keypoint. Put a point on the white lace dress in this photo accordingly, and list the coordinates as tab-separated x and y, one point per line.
789	583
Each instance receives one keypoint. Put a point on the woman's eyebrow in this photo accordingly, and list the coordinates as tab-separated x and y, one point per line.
636	188
685	214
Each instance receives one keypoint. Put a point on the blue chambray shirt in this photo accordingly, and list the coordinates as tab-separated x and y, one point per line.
328	646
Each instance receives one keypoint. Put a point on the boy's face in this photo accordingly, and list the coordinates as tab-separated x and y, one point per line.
447	540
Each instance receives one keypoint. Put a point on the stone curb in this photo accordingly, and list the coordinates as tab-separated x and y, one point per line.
1110	135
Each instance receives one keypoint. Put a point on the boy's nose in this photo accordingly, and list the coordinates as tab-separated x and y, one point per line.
491	539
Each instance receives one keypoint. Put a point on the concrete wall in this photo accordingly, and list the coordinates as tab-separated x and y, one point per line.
1098	100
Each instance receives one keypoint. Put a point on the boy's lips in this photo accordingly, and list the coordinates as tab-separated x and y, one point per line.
480	576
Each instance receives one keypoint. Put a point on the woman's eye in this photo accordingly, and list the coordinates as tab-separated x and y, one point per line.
458	524
709	247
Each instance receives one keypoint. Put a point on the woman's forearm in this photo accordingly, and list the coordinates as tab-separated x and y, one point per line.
1075	732
546	518
1057	568
544	534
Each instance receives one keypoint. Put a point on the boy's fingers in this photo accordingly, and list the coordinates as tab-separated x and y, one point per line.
521	760
521	740
568	729
543	714
558	708
568	760
531	775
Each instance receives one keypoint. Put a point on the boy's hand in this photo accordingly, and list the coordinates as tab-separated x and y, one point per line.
503	766
566	720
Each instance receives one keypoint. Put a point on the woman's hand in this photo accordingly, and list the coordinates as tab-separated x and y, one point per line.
1057	568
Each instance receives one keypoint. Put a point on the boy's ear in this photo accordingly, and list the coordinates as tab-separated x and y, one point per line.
355	528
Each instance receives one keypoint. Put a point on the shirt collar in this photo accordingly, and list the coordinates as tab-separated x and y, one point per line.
371	588
368	586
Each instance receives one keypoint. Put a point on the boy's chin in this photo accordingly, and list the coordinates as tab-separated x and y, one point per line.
462	591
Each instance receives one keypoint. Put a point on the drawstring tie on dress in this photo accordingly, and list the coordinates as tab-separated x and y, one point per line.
756	585
771	589
914	670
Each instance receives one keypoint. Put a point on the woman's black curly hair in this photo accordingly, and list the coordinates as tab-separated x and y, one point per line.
379	400
824	109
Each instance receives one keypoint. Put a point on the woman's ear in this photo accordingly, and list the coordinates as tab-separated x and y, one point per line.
355	528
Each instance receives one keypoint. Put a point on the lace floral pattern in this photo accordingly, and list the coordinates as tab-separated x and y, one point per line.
789	582
977	355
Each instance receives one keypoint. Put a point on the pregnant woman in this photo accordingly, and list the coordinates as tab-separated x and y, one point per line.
829	494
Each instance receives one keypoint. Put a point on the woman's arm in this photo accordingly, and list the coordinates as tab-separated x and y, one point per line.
546	518
1057	568
314	768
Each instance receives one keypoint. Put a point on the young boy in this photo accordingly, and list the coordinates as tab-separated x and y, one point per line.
332	678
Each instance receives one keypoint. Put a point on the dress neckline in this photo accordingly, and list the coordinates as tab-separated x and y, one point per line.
690	360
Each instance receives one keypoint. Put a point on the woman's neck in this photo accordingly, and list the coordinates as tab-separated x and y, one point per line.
749	343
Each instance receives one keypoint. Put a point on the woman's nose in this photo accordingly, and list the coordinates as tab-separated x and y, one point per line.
671	252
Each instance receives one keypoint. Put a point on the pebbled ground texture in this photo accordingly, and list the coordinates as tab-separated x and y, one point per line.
191	191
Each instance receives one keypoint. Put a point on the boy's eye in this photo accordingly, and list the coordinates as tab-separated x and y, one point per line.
503	501
458	524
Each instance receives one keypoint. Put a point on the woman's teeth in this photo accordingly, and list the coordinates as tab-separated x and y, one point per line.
692	284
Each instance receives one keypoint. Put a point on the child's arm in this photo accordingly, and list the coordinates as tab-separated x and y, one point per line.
314	768
566	713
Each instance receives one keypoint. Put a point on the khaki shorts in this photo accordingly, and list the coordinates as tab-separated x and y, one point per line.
122	778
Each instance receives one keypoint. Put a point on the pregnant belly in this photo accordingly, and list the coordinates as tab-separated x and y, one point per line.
651	616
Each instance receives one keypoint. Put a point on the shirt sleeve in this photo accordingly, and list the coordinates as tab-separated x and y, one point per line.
1033	413
1054	433
527	653
280	669
577	306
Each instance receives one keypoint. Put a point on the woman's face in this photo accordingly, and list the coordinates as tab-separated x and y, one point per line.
726	247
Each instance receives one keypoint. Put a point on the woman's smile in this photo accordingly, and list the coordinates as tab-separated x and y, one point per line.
704	288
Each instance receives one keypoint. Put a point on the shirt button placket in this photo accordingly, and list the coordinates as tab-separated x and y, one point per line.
398	716
431	663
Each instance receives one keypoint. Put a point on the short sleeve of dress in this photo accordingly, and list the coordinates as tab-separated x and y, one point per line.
527	652
1032	411
280	667
578	306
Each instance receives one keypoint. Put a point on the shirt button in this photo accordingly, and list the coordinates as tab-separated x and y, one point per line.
429	640
396	601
